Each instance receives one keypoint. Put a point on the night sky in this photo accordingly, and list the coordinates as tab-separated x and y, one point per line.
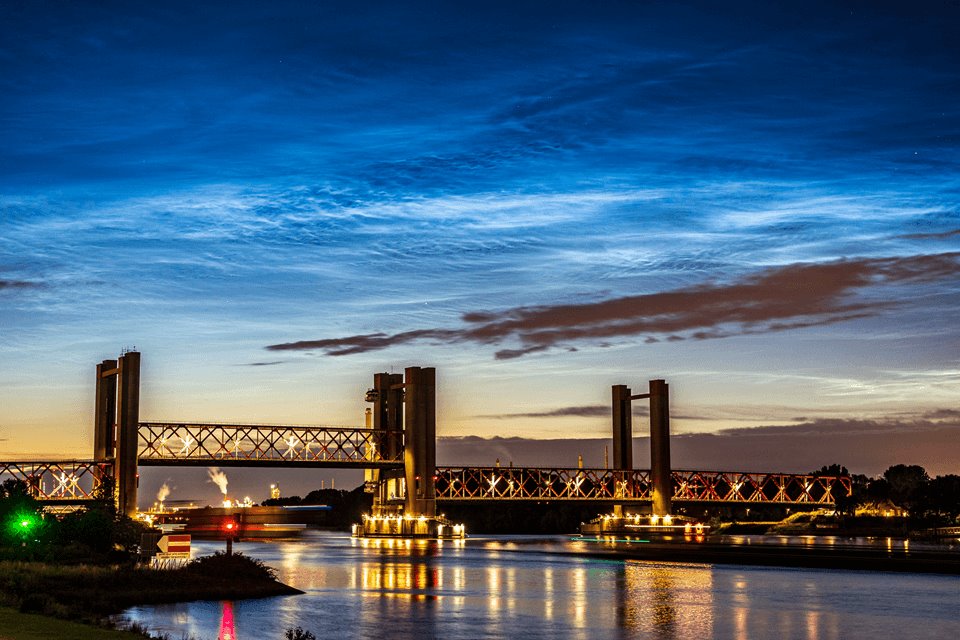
273	201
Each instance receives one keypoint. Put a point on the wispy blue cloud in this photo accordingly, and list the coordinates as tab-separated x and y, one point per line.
184	174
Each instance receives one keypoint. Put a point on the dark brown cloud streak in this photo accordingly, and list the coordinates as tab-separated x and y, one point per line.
932	236
581	411
775	299
17	284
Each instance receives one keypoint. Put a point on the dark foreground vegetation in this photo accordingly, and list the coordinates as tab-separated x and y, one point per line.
96	534
90	592
83	565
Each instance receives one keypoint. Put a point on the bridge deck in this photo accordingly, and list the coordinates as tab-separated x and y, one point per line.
198	444
59	481
73	481
470	484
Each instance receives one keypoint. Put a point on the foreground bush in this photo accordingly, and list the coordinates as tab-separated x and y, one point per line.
89	592
235	566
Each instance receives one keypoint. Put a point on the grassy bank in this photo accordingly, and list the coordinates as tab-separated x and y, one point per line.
88	593
29	626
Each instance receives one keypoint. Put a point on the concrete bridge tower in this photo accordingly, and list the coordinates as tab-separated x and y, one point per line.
661	487
405	415
116	421
420	441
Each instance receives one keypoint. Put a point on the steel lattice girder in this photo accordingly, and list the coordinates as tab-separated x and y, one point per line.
61	481
529	483
729	486
180	443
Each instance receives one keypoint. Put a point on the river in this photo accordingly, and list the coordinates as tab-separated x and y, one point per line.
530	588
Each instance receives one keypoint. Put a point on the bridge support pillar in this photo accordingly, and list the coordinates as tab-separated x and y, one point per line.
128	422
105	412
622	437
420	441
409	400
388	420
660	472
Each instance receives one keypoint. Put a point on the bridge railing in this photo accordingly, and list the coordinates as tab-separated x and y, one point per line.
531	483
61	481
202	443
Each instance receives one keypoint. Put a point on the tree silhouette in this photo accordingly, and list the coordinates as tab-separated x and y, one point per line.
907	483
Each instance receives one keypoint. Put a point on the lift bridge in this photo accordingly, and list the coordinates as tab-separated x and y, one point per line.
397	448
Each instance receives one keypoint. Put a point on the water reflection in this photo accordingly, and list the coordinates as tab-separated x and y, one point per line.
400	576
548	593
407	589
665	600
226	622
664	608
578	596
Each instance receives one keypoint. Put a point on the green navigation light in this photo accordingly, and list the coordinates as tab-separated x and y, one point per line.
23	524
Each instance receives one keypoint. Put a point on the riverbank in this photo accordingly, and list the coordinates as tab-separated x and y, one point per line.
813	556
87	594
827	523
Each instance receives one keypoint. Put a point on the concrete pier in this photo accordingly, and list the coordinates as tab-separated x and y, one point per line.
128	423
660	472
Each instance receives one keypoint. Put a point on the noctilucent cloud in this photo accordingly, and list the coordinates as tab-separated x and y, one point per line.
273	201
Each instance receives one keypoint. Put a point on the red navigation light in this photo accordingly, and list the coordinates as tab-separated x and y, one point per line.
229	526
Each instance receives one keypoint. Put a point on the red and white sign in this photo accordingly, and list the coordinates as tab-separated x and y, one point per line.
179	544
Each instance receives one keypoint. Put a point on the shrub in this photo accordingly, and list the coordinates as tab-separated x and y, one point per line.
235	566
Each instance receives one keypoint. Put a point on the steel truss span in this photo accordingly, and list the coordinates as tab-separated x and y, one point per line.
530	483
731	486
575	484
185	444
62	482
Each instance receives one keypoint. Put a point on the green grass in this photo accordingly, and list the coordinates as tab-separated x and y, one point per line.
27	626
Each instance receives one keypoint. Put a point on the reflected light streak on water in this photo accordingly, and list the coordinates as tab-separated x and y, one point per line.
226	623
537	589
511	584
548	593
578	596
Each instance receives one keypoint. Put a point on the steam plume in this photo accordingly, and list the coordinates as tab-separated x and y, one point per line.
218	478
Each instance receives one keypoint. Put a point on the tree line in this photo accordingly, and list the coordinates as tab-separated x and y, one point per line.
907	487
